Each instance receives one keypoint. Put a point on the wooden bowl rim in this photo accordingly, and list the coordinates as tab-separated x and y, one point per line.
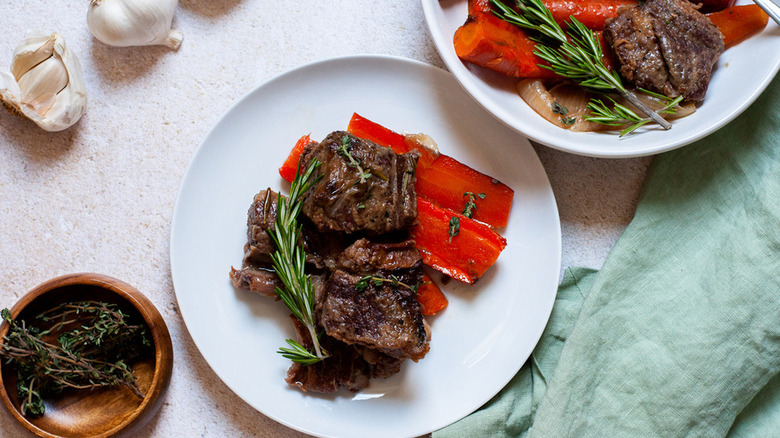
163	363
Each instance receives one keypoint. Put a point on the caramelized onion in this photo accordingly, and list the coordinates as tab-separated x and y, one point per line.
575	99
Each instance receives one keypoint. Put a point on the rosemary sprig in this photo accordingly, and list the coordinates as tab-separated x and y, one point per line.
575	54
289	262
94	355
620	115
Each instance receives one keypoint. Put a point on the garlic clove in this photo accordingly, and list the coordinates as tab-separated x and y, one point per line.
134	22
40	86
46	84
35	48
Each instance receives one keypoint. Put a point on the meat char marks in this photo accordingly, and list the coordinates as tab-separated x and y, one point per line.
364	187
371	299
666	46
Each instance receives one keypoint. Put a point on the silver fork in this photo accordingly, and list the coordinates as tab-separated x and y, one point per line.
771	7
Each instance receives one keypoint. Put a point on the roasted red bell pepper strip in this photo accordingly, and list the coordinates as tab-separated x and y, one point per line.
463	251
290	166
739	22
444	180
360	126
430	297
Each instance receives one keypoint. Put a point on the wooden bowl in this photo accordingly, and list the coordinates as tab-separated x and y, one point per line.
101	412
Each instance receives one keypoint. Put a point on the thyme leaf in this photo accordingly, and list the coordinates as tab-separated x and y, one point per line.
454	227
471	205
345	151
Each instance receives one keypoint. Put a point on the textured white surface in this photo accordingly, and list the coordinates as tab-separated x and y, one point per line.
99	196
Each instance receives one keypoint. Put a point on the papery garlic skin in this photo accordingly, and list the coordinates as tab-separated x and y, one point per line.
45	83
134	22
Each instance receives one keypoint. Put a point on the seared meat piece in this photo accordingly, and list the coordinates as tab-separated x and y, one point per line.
383	365
344	367
364	187
365	257
666	46
322	248
256	273
380	314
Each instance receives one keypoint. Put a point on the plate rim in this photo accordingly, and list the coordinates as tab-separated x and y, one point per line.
556	244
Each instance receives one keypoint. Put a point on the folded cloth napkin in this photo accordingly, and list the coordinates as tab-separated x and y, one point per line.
679	333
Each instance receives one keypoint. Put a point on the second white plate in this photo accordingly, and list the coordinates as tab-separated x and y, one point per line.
742	73
478	343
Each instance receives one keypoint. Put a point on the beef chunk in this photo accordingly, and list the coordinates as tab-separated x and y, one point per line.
382	315
365	257
256	273
666	46
363	187
344	367
383	365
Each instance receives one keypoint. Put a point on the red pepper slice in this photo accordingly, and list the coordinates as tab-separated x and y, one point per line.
464	256
290	166
360	126
430	297
444	180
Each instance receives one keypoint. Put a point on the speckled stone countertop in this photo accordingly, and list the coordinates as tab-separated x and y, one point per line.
99	197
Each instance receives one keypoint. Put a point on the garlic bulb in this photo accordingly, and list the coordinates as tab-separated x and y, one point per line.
134	22
45	83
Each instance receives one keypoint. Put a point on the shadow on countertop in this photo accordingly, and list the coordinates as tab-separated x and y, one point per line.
208	8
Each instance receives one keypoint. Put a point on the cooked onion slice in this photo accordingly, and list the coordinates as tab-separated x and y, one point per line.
575	100
565	105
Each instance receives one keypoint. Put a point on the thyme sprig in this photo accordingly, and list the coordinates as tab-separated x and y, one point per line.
344	151
363	283
289	262
93	355
471	206
574	54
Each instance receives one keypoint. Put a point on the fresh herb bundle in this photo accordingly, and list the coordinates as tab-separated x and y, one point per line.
576	54
95	342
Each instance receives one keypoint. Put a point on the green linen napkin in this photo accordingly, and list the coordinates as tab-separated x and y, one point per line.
679	333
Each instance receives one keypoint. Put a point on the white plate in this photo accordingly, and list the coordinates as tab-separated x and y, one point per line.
478	343
742	73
